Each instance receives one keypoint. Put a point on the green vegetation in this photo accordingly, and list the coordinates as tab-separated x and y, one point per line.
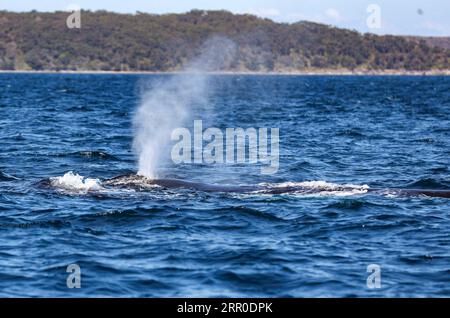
145	42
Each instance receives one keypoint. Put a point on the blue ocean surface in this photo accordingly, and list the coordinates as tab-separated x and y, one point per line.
379	132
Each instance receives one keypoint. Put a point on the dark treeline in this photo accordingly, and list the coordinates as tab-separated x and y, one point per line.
145	42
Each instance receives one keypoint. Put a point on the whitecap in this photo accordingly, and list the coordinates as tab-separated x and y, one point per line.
75	182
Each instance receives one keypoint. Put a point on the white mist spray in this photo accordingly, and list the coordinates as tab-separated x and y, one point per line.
168	105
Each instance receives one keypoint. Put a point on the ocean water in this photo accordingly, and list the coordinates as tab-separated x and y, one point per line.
63	135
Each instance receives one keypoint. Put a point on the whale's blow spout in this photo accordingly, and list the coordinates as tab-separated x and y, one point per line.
169	104
162	110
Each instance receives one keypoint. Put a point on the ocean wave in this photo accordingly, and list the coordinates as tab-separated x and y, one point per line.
6	177
354	132
15	137
31	224
428	183
91	154
96	154
74	182
352	204
253	213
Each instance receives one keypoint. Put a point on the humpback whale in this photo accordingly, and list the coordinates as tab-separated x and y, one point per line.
140	182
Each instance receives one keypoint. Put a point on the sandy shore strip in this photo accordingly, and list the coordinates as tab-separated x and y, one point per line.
293	73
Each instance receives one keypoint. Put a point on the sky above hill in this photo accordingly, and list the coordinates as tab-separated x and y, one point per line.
400	17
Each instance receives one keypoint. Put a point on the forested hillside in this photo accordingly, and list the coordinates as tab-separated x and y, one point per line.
145	42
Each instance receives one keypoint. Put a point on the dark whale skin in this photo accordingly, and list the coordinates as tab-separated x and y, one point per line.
127	181
140	182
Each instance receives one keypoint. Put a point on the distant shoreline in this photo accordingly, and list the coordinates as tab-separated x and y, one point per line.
286	73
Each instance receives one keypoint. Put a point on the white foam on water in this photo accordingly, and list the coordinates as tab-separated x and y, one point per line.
320	188
75	182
